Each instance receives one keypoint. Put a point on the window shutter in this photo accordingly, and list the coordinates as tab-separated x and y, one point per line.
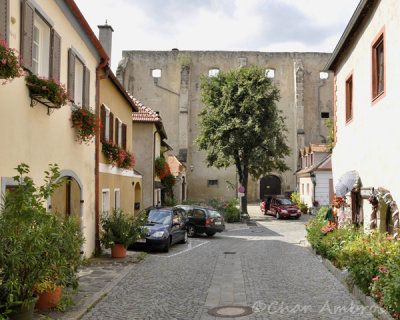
4	19
111	126
28	12
55	55
124	136
86	87
116	130
103	123
71	73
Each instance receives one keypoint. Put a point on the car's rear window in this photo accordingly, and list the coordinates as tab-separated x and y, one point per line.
214	214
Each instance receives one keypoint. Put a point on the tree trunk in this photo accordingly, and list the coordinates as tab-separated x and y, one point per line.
244	182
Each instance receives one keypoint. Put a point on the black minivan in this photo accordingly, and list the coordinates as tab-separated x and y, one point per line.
203	220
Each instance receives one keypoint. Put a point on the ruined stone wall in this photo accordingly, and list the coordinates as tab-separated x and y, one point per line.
176	95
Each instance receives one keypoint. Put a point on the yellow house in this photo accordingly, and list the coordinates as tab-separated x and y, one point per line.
119	187
55	42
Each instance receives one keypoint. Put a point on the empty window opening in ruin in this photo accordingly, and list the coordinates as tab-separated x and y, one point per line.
213	72
156	73
270	73
323	75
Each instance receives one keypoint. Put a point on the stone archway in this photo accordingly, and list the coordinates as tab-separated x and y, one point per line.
270	185
67	200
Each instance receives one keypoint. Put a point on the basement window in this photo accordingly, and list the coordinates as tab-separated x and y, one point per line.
212	183
324	115
270	73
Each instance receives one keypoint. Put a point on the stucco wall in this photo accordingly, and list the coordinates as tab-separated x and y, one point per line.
369	143
179	113
142	144
30	135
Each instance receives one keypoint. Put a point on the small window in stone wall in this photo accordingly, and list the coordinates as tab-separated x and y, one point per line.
323	75
212	183
213	72
324	115
156	73
270	73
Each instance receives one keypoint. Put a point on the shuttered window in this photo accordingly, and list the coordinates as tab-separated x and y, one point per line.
349	98
104	125
117	131
124	136
4	19
78	80
40	43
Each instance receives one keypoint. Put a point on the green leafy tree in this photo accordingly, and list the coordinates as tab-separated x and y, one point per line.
331	136
241	125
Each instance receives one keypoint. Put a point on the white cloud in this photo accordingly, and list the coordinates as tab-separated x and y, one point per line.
273	25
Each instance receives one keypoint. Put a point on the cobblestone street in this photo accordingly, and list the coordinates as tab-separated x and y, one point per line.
263	267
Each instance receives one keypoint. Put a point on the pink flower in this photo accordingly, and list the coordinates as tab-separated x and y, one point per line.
44	87
328	243
4	61
340	237
389	238
374	279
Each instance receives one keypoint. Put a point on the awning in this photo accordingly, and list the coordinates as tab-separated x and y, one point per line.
347	182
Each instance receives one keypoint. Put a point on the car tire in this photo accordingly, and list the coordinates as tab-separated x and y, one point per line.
185	238
277	215
210	234
191	230
168	244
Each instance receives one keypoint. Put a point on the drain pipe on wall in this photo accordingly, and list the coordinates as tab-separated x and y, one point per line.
319	110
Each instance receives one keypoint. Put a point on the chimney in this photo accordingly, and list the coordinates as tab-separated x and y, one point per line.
105	37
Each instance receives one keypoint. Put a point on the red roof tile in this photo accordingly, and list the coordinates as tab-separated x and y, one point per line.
145	114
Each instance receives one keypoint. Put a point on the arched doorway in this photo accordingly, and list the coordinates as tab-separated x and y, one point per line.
270	185
138	198
66	200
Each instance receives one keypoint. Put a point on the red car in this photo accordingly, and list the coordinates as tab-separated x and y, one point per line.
280	207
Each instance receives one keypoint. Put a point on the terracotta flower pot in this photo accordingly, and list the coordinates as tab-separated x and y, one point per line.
48	299
118	251
20	312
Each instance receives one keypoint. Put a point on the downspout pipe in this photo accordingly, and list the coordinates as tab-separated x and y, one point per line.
97	158
319	110
154	164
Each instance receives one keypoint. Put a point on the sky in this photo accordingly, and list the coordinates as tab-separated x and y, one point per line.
238	25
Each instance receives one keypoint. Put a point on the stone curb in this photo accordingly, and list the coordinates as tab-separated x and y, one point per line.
342	276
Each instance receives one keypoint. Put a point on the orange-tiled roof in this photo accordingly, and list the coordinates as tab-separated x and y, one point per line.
175	166
145	114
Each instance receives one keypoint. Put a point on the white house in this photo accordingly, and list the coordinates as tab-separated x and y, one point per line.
314	179
366	68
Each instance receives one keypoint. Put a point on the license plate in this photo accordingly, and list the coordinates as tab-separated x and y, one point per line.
141	241
217	222
293	215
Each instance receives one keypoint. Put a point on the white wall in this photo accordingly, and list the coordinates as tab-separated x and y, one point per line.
370	144
322	187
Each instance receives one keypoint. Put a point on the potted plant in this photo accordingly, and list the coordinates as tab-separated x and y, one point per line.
10	63
49	292
126	160
86	123
120	231
111	151
48	91
34	243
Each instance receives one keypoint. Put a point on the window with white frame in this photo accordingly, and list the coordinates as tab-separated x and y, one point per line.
78	88
40	47
105	200
117	197
119	132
